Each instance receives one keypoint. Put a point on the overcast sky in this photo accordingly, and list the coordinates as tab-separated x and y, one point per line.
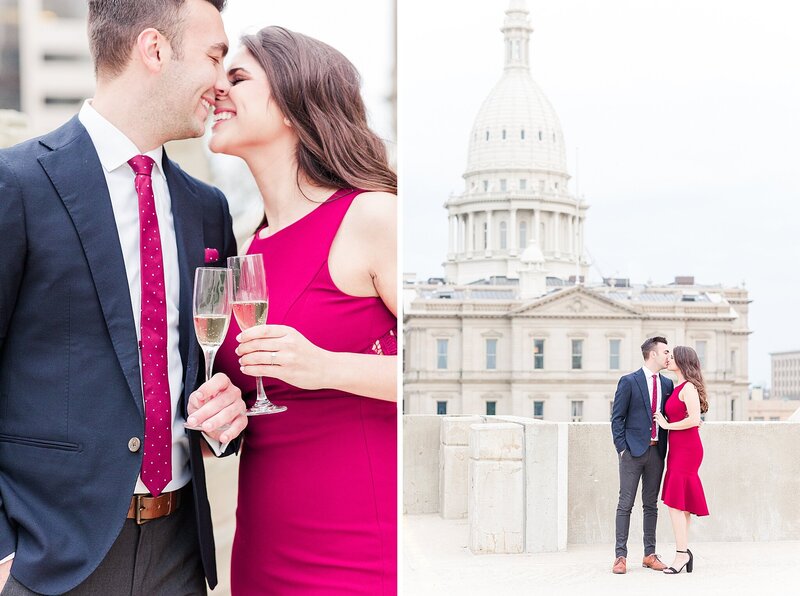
685	114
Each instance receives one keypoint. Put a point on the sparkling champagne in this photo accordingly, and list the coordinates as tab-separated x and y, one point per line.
210	329
250	313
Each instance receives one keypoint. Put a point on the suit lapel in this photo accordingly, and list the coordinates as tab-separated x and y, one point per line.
77	176
189	239
641	381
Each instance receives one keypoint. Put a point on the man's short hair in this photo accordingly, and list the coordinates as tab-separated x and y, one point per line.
650	345
114	25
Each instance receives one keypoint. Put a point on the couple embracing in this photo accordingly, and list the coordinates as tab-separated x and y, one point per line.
652	419
102	489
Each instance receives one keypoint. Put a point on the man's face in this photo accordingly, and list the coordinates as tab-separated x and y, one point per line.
189	84
661	353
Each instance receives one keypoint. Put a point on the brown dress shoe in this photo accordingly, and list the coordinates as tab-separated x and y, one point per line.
653	562
619	565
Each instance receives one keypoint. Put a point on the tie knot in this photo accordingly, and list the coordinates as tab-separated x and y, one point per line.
141	164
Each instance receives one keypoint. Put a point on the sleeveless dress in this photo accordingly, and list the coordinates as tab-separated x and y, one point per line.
682	487
317	503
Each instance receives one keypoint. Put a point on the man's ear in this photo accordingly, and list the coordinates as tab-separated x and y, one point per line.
152	49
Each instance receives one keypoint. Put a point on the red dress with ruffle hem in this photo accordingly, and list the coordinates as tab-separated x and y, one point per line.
682	487
317	508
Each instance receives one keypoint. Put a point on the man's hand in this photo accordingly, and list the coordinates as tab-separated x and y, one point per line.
215	404
5	571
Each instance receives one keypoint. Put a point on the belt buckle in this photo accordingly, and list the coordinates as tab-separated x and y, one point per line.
139	509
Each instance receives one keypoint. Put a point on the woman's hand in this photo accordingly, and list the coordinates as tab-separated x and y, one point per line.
661	421
282	352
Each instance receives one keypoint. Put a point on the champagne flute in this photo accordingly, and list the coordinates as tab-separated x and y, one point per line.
250	306
212	313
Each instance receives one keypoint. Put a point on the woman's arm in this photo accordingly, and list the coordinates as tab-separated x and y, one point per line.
692	401
363	262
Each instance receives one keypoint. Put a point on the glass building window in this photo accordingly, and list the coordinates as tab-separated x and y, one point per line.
441	353
540	135
487	135
485	186
522	134
491	354
503	235
538	354
700	348
441	408
503	185
523	183
577	354
613	353
523	234
504	134
538	410
577	411
491	408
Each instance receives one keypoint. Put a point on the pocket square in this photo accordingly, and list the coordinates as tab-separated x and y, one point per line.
212	255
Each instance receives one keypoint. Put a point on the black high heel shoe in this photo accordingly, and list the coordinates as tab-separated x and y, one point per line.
688	564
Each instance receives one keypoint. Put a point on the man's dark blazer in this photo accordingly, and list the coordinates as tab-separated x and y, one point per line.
70	385
631	414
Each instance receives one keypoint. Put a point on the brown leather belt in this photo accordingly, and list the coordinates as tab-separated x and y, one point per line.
145	508
653	443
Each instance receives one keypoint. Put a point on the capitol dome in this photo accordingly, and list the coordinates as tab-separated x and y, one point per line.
516	214
516	128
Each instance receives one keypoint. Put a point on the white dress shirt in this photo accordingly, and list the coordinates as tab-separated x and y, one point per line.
114	150
648	374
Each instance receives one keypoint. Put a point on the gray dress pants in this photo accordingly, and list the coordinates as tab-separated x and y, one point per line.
650	468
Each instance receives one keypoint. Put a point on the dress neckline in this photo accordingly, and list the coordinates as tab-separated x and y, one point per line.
337	194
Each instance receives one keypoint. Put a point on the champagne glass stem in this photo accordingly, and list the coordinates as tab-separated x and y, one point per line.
263	405
208	355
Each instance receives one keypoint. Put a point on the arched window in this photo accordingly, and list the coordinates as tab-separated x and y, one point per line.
503	235
523	234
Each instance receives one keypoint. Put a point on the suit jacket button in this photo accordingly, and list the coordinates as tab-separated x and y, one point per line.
134	444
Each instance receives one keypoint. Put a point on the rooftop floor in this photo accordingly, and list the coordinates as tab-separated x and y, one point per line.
437	560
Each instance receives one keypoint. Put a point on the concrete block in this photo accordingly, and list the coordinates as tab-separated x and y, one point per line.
496	489
421	464
454	465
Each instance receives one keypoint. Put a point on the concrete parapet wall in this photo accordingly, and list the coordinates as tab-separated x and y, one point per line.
750	471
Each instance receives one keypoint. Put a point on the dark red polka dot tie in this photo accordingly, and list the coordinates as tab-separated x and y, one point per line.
157	459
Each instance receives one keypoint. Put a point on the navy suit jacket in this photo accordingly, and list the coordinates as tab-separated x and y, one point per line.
631	415
70	385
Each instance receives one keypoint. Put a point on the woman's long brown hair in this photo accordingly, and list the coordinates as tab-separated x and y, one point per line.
686	359
318	90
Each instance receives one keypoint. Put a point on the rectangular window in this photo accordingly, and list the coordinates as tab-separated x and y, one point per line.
538	354
441	353
538	410
491	354
733	362
775	418
577	354
613	353
441	408
503	185
523	183
577	411
491	408
700	348
485	185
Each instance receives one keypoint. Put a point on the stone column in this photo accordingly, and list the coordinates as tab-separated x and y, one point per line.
453	244
454	465
496	489
488	248
556	218
470	234
512	232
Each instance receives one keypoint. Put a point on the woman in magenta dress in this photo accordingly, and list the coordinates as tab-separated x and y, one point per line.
683	492
317	505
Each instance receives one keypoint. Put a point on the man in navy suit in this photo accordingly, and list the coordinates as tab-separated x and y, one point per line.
102	490
641	447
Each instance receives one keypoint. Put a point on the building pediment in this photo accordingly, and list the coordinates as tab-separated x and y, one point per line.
576	302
